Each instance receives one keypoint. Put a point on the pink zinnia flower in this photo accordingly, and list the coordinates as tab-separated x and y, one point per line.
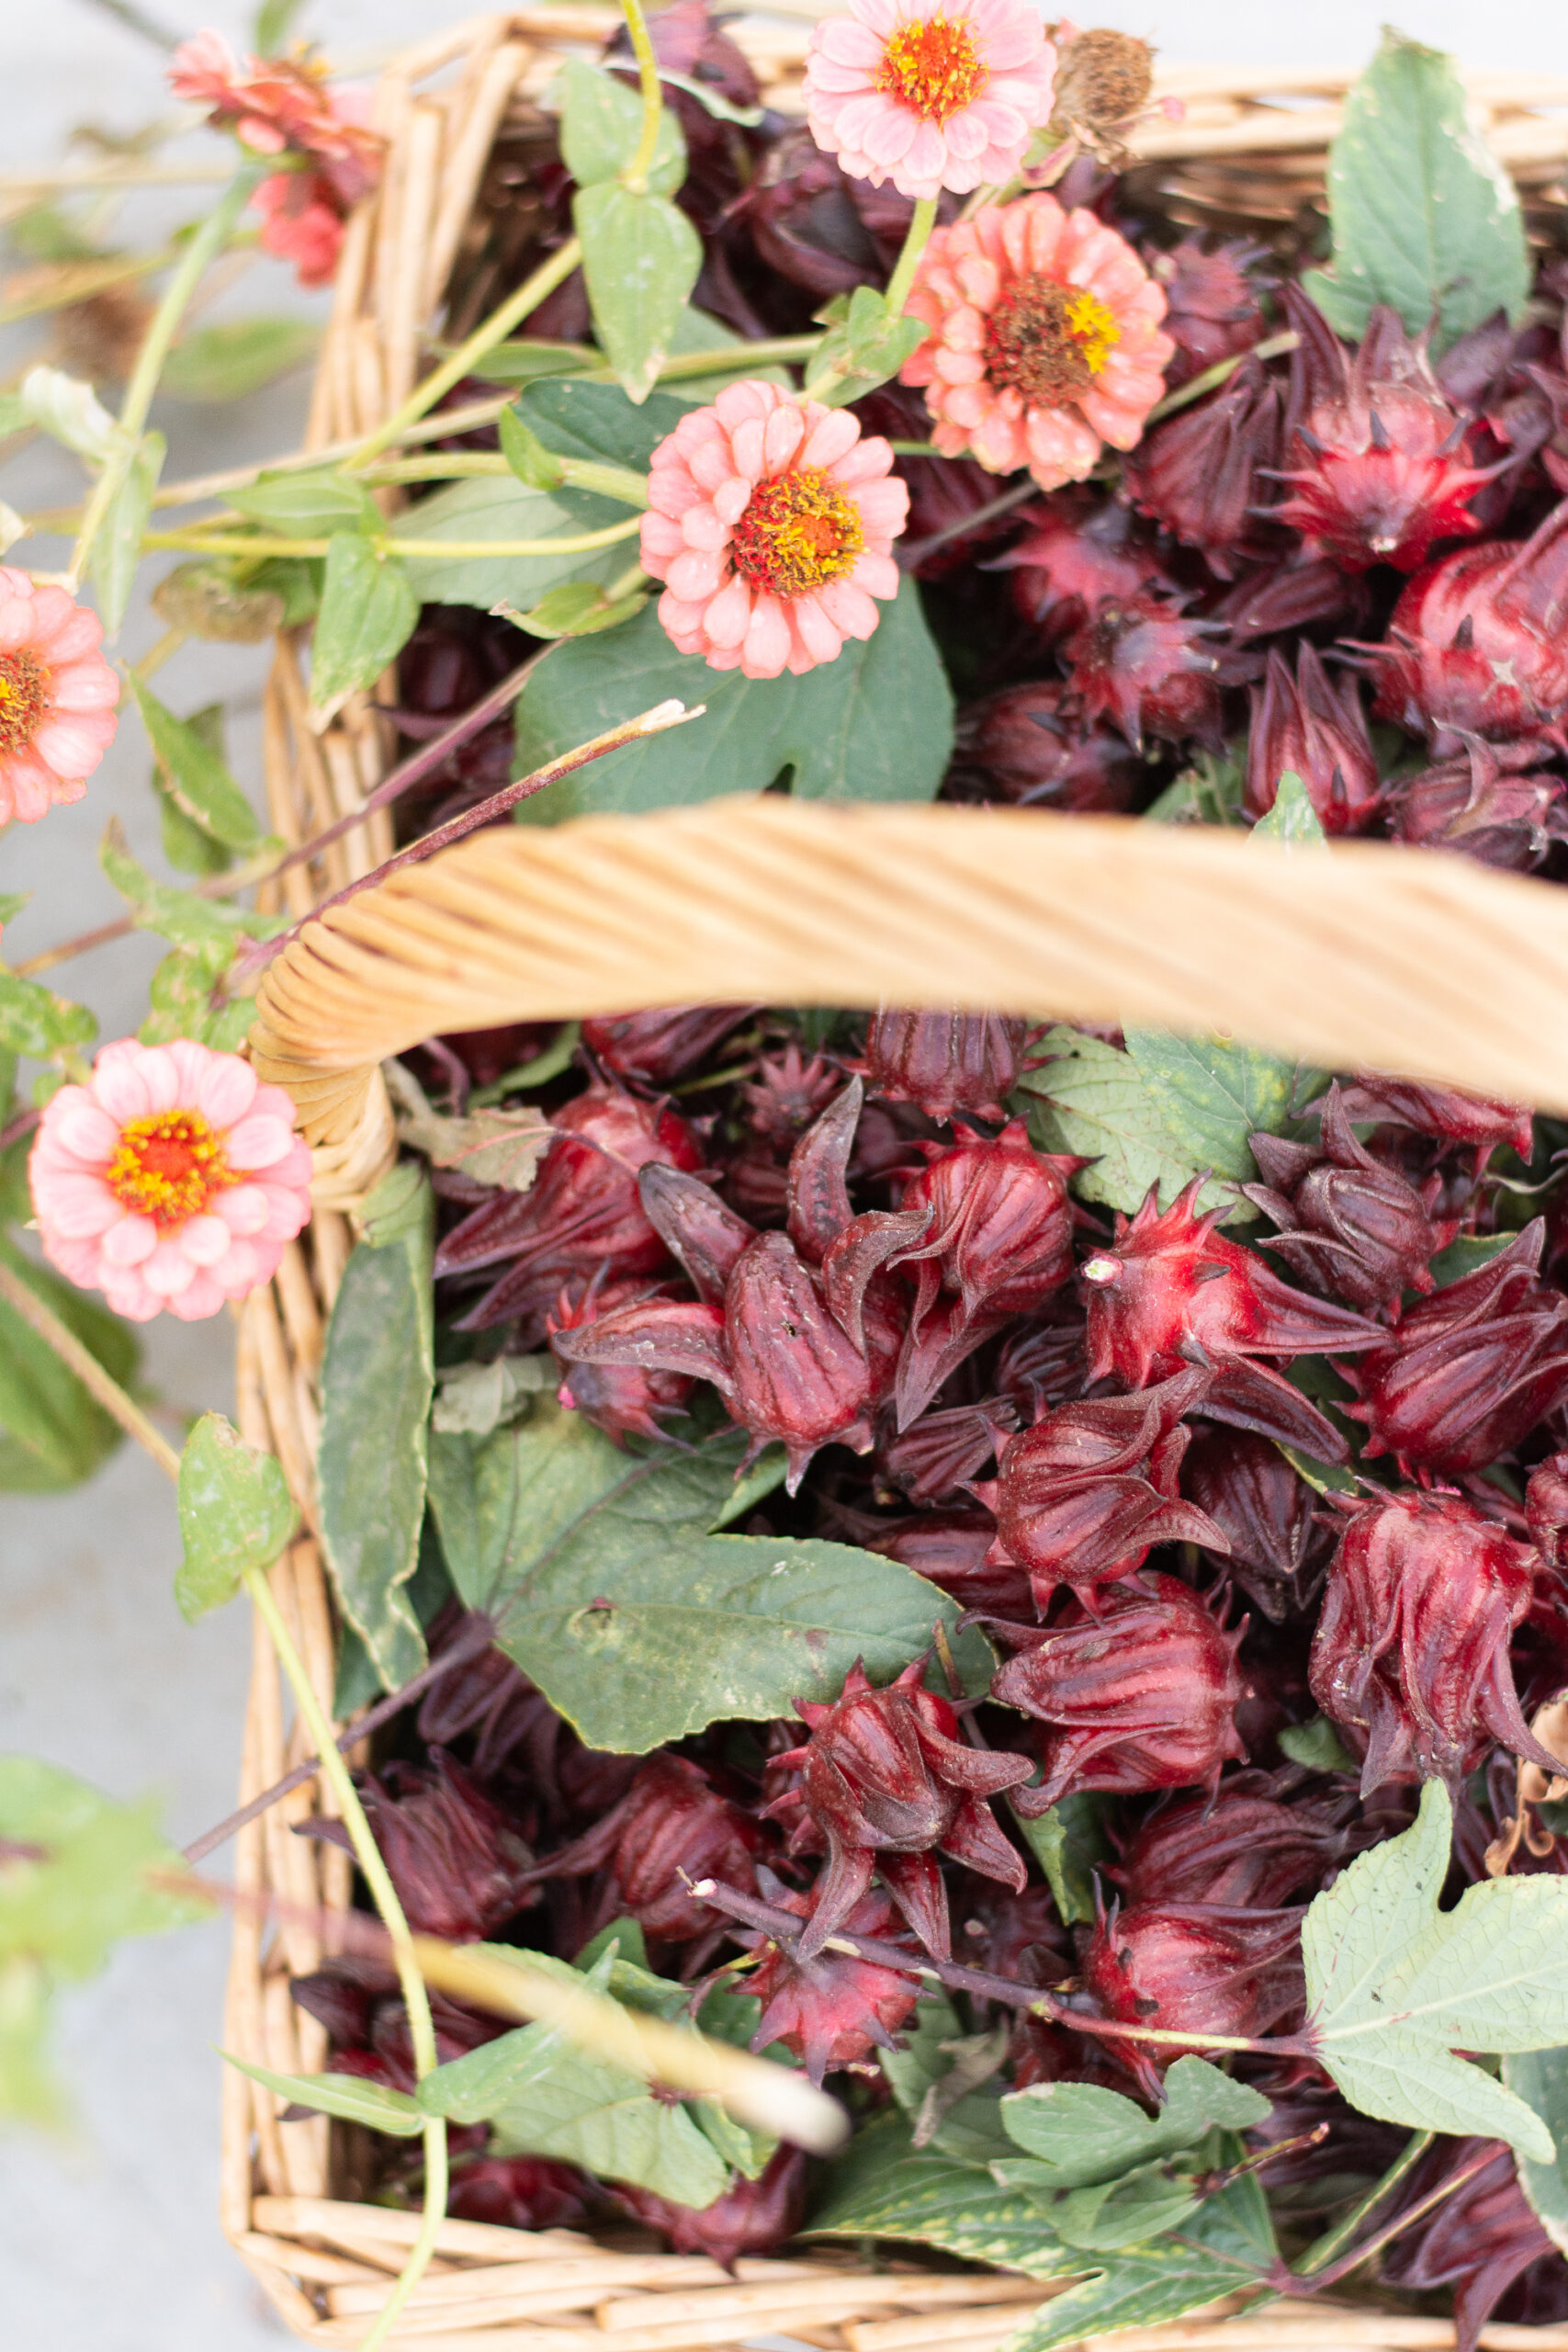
773	524
57	697
301	223
930	94
1044	341
171	1180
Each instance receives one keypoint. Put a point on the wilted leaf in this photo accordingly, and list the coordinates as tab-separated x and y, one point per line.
207	600
501	1148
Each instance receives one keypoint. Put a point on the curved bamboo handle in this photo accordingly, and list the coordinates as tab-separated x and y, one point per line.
1363	956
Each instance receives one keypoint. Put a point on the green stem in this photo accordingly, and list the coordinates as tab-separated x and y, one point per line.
203	249
1323	2250
194	541
103	1390
1274	347
495	329
636	174
921	222
384	1895
547	1065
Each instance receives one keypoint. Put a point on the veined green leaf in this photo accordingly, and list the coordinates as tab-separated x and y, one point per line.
236	1513
1094	1101
601	124
195	775
369	611
240	356
307	505
640	259
34	1020
486	508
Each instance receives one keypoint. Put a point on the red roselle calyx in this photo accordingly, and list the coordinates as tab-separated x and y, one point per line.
1442	1112
1190	1968
1076	559
623	1400
1478	2241
937	1455
1411	1651
787	1095
1242	1848
460	1869
1478	804
1381	468
945	1061
1081	1495
1276	1552
1022	746
885	1780
1349	1226
1198	473
1141	1696
751	2217
1141	662
1214	305
582	1215
672	1826
520	2193
832	2010
654	1048
1316	729
1170	1289
1469	1371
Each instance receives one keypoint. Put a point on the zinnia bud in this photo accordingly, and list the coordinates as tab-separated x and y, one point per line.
1080	1497
1170	1285
1141	1696
834	2009
751	2217
1192	1967
1350	1227
945	1061
460	1869
1276	1551
654	1048
672	1827
1469	1371
1477	2240
1411	1651
1242	1848
885	1779
1198	473
1317	730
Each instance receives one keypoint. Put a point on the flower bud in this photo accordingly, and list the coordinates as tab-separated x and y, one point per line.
671	1826
623	1400
1477	2240
1140	662
581	1217
1192	1967
1170	1283
1274	599
1443	1113
1317	730
1276	1552
460	1869
1080	1497
520	2193
938	1453
1082	555
1242	1848
798	1377
885	1779
1213	306
1021	747
1143	1696
751	2217
1469	1371
1198	473
945	1061
1040	1363
1350	1227
831	2010
1473	805
1411	1651
651	1048
780	1102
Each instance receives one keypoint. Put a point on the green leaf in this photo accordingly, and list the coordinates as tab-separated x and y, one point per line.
28	2092
1396	1987
369	612
529	459
863	347
34	1020
212	927
1465	1255
1226	2245
884	2186
185	1001
1142	2205
1092	1100
601	123
207	600
117	546
307	505
1211	792
351	2098
640	259
1316	1745
1076	2135
195	774
236	1513
699	331
636	1623
1292	818
297	580
577	608
1541	2079
1424	216
377	1376
486	508
69	411
1067	1841
501	1148
938	2074
81	1882
597	423
474	1399
876	724
1213	1094
52	1434
225	363
274	23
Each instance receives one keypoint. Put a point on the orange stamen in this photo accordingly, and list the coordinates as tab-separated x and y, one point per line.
798	533
933	65
168	1166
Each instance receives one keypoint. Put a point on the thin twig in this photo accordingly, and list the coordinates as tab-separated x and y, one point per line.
197	540
1363	2252
104	1390
1273	346
915	554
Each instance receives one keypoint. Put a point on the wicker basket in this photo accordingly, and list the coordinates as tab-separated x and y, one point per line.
1388	960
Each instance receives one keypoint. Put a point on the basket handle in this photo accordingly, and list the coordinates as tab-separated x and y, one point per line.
1367	955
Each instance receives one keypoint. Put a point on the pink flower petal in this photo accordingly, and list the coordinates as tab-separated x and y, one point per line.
130	1242
258	1140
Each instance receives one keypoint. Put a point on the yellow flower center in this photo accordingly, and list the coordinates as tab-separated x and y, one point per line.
1049	340
168	1166
24	699
933	65
798	533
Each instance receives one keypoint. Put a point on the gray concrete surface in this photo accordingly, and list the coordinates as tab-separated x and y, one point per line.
111	2242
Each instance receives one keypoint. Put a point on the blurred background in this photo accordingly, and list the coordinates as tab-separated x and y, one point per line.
112	2240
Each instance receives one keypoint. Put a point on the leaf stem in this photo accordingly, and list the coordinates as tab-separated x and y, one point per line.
493	329
384	1895
197	542
1363	2252
204	247
922	221
635	176
1274	346
104	1390
1323	2250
